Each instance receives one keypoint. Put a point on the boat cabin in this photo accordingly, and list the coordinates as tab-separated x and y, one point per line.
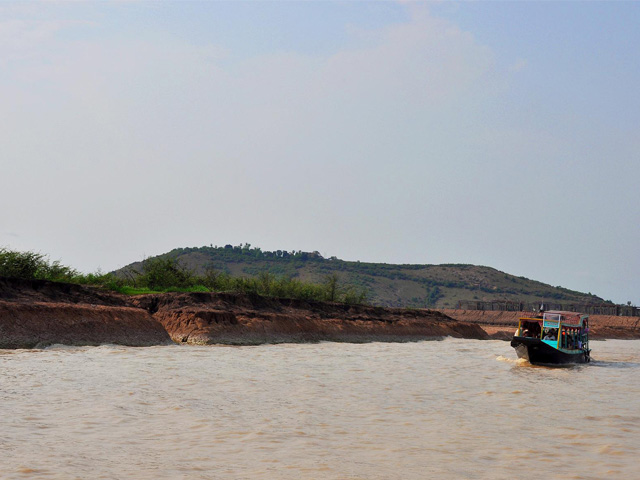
560	330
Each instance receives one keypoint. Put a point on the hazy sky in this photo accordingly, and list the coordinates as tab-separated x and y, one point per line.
504	134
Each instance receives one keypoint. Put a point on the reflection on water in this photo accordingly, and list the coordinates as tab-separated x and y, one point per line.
452	409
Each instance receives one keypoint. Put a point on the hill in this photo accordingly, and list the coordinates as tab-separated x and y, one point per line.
434	286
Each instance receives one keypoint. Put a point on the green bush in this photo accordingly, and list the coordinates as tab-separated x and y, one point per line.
164	272
33	266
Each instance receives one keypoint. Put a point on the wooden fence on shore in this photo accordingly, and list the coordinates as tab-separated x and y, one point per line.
591	309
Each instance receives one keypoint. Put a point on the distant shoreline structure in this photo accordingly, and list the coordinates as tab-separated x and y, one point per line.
510	306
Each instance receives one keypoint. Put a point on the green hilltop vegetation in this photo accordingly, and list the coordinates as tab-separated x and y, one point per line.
167	274
419	286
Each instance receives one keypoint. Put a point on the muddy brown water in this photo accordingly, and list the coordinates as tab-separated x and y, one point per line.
447	409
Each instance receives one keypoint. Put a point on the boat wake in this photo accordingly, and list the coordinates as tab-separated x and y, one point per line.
514	361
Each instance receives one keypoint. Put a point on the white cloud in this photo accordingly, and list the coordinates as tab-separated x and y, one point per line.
162	124
519	65
27	39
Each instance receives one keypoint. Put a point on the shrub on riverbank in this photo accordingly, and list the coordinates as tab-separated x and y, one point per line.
33	266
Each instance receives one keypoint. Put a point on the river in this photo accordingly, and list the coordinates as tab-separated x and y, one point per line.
450	409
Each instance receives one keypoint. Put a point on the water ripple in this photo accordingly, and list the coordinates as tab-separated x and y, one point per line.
450	409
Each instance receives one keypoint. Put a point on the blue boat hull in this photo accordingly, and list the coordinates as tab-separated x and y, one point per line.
536	352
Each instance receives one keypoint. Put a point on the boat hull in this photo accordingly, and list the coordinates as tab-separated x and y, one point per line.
536	352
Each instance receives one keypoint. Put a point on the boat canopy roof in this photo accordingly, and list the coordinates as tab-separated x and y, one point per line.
573	318
553	319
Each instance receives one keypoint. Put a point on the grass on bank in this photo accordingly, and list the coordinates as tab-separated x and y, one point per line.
159	275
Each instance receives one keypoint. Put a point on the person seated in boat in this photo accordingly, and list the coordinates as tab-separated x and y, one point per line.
547	334
566	340
530	329
551	335
569	342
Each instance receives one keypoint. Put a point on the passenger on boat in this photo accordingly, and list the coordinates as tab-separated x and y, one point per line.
531	329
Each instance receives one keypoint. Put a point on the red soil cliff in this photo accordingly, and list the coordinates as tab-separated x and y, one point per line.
207	318
40	313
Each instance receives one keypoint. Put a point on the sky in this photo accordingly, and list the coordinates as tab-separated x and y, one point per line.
504	134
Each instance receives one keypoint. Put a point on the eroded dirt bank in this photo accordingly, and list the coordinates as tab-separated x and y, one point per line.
40	313
208	318
503	324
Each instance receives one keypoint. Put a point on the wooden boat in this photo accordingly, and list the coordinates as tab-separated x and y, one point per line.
553	338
